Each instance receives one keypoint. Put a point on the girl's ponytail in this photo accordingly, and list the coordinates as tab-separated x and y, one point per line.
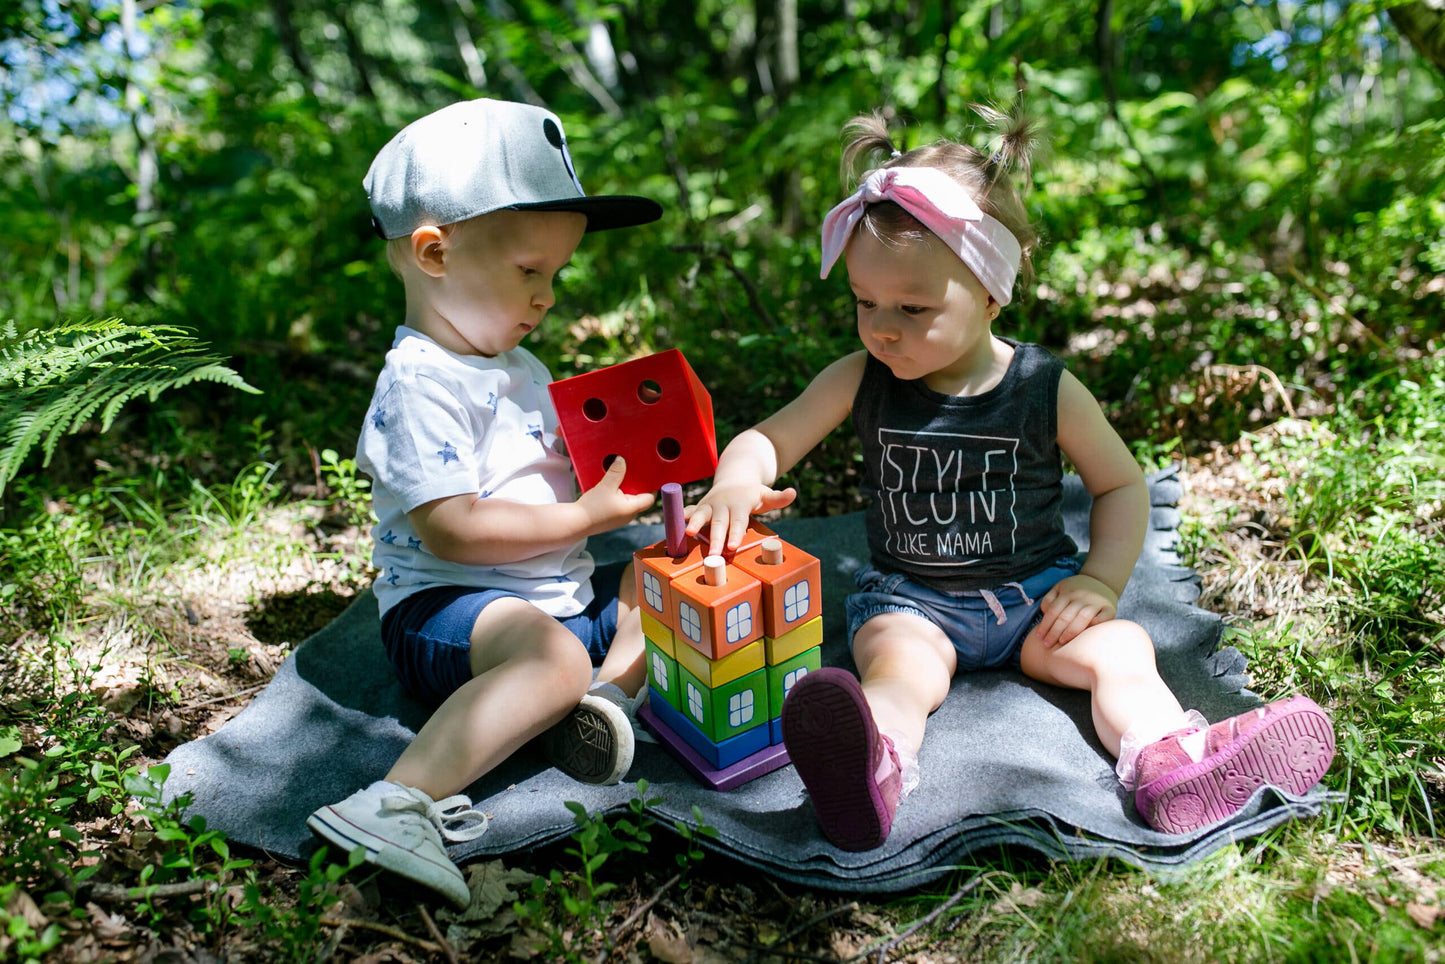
1020	139
867	134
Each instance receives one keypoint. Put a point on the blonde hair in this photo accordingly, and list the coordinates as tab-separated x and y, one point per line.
985	176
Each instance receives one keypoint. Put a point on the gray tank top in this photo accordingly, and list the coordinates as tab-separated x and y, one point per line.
965	492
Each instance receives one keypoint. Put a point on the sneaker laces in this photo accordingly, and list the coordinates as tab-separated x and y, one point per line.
454	817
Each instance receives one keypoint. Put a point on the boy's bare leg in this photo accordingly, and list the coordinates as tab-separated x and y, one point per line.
528	672
625	665
1114	661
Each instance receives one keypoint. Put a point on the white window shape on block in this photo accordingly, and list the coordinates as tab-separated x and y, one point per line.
694	704
740	708
659	672
690	622
795	601
740	621
791	677
652	590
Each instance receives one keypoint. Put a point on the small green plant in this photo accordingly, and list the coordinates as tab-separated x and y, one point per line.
18	938
294	932
190	849
350	493
580	893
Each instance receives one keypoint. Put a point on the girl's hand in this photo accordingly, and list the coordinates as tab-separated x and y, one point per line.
1072	606
727	508
607	507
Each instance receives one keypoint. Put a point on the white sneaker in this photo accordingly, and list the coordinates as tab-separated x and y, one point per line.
593	743
402	830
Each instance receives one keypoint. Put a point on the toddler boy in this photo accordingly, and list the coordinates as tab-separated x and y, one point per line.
491	608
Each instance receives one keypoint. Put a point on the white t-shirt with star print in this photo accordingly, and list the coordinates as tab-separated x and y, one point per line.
442	424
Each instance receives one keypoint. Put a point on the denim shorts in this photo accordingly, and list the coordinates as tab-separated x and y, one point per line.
987	627
428	635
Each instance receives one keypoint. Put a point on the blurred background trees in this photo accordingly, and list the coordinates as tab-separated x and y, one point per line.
1242	201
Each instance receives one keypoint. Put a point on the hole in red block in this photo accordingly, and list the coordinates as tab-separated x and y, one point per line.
595	409
607	461
649	391
669	449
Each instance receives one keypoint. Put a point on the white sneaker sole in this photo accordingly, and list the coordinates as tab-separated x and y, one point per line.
594	744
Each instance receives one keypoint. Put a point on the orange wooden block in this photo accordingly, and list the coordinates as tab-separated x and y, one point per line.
792	587
655	570
716	620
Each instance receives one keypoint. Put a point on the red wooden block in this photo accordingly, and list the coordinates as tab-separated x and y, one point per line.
652	411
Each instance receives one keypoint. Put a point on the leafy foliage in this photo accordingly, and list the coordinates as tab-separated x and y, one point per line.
54	381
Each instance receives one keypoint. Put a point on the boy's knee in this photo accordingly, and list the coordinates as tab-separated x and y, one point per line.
569	664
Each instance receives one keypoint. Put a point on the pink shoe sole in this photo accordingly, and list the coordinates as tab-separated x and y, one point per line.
1290	748
829	734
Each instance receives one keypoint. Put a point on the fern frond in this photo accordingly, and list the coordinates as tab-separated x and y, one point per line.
54	381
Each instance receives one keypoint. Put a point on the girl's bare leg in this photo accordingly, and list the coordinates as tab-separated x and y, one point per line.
1114	662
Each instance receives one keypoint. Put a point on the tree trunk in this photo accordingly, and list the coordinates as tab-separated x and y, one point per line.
360	62
281	12
147	168
1423	24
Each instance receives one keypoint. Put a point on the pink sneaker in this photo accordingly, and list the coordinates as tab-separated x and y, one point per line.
1288	744
850	770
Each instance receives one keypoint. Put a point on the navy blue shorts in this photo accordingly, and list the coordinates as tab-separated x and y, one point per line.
987	628
428	635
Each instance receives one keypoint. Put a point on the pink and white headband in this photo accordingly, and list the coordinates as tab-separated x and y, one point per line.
942	206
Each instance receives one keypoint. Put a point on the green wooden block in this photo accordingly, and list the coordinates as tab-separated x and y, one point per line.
728	710
662	675
782	677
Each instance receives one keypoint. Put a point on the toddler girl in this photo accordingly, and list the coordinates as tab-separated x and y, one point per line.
962	433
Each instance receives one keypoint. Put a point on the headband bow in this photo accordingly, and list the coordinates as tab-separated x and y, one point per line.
942	206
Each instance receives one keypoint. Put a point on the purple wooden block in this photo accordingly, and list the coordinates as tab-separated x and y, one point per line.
746	770
674	526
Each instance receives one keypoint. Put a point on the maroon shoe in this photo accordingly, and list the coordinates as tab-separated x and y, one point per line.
1288	745
850	770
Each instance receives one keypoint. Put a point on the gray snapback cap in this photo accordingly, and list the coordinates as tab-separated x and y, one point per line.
479	156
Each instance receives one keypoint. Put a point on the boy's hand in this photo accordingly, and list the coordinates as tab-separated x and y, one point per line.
607	506
728	507
1072	606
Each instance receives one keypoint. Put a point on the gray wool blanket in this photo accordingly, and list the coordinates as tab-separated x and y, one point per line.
1007	761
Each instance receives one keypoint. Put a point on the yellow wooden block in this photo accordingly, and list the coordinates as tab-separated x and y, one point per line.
788	645
715	672
657	631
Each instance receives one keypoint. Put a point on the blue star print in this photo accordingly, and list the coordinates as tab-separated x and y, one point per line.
378	418
389	538
393	575
448	452
535	431
492	401
412	542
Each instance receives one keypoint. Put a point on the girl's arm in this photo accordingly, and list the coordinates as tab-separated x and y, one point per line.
1117	522
491	532
754	460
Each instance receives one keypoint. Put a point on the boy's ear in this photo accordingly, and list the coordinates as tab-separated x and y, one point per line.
428	250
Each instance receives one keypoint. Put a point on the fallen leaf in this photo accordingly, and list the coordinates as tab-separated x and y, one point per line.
1424	916
493	887
666	941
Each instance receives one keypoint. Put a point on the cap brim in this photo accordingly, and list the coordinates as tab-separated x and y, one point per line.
603	212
